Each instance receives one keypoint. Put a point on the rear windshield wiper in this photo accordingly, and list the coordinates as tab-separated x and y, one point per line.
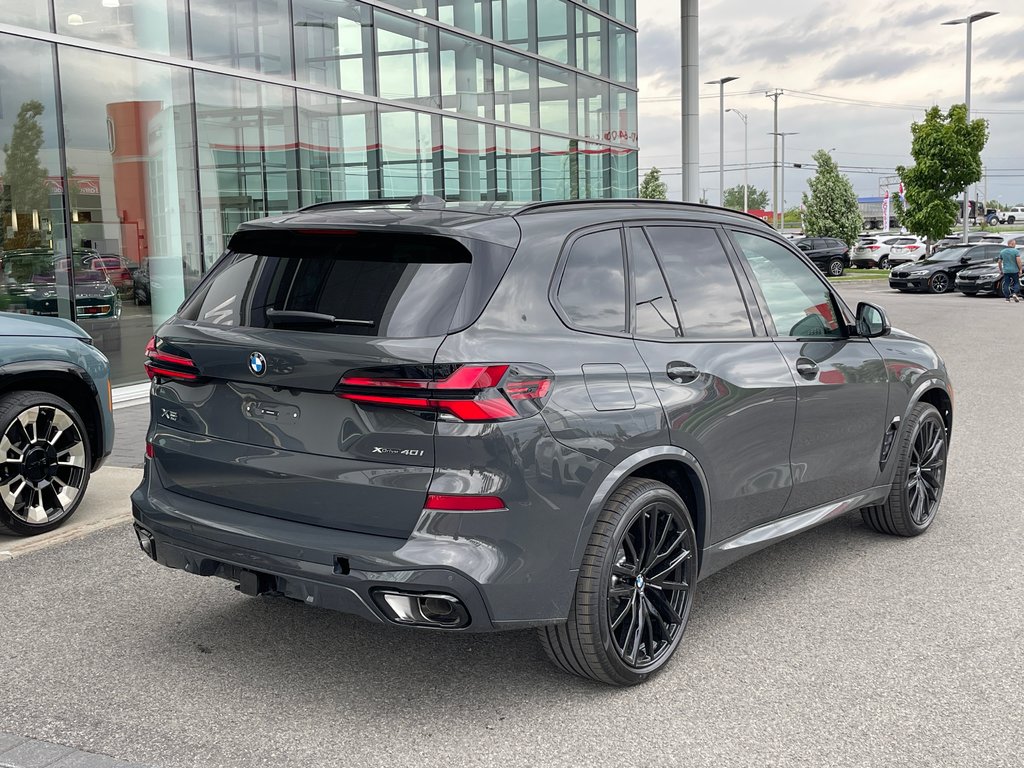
296	317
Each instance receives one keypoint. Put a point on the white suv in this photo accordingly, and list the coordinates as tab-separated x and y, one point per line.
1011	216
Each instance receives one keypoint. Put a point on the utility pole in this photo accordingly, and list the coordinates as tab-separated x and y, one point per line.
783	135
721	134
774	96
746	158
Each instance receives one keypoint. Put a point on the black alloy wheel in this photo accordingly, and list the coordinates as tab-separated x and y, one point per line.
938	283
45	462
634	591
835	267
919	477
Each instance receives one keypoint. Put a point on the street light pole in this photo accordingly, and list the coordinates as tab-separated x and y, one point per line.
721	134
782	173
968	21
746	159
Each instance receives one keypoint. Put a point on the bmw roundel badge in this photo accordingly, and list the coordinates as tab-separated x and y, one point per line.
257	364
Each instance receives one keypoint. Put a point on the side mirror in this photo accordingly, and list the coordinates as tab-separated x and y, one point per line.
964	260
871	321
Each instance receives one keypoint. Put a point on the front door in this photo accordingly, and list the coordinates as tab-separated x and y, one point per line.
841	382
726	389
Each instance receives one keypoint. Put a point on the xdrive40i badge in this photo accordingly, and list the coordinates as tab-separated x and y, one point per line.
397	452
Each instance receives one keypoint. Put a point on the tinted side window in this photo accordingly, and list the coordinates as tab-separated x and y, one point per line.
707	296
592	290
655	315
798	302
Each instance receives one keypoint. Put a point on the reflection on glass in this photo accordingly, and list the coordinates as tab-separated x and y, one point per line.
510	22
128	125
467	78
464	14
26	13
592	113
588	41
248	164
592	290
31	202
655	312
556	89
332	40
623	9
707	296
624	167
152	25
465	161
623	116
407	141
514	98
516	179
553	29
242	34
559	169
621	54
403	58
337	149
594	171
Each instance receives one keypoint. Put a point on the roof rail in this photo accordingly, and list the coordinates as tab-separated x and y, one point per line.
332	204
540	206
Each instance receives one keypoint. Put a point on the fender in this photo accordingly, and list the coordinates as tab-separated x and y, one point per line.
931	380
25	368
625	468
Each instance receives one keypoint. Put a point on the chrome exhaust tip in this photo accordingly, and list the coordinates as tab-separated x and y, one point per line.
415	609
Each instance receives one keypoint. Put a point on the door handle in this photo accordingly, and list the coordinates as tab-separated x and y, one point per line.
806	367
682	373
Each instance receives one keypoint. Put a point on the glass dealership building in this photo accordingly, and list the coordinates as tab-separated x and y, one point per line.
137	134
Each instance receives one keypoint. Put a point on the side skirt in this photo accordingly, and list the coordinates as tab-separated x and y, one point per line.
718	556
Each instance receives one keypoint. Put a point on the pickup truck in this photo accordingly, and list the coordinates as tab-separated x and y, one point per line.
1011	216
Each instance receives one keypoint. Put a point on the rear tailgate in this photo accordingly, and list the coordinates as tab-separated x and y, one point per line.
244	410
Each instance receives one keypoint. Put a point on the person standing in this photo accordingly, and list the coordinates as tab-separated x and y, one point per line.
1009	257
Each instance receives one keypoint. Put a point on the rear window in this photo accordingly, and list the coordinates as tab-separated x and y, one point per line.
398	286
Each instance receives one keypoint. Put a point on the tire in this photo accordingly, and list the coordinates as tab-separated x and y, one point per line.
48	458
835	268
938	283
913	499
621	584
883	263
1011	220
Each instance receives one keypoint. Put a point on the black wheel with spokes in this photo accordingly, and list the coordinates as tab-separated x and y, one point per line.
634	591
938	283
919	477
45	458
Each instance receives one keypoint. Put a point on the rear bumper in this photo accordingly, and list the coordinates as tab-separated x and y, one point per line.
341	570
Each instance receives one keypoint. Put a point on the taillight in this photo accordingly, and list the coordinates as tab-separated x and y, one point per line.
874	247
912	247
469	392
162	363
149	450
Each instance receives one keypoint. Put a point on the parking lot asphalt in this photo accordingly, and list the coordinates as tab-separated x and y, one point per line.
840	647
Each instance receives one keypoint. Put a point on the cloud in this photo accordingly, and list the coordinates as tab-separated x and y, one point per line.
875	64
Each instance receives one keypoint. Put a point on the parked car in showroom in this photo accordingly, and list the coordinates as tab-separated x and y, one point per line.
829	254
56	420
873	251
937	273
488	416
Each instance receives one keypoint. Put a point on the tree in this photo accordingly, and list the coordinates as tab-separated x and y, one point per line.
757	199
947	158
23	174
831	209
652	187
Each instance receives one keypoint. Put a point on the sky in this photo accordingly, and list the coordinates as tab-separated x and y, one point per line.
893	59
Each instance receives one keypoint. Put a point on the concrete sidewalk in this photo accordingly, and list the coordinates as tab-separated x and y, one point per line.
106	503
19	752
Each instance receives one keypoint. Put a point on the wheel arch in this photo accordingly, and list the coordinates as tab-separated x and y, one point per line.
674	467
68	382
936	393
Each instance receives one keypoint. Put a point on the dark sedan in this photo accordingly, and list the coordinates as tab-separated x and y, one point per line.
829	254
936	273
982	279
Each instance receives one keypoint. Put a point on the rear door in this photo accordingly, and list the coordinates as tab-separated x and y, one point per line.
841	381
726	389
245	407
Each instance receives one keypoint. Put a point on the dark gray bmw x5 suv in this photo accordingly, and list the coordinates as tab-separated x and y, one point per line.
470	417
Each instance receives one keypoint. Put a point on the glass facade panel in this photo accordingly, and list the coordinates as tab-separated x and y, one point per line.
134	217
339	155
404	51
553	29
248	158
33	240
26	13
152	25
161	161
515	98
334	44
407	157
467	77
242	34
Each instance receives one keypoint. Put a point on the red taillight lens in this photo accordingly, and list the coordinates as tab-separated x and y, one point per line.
149	450
874	247
913	247
453	503
161	363
464	392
